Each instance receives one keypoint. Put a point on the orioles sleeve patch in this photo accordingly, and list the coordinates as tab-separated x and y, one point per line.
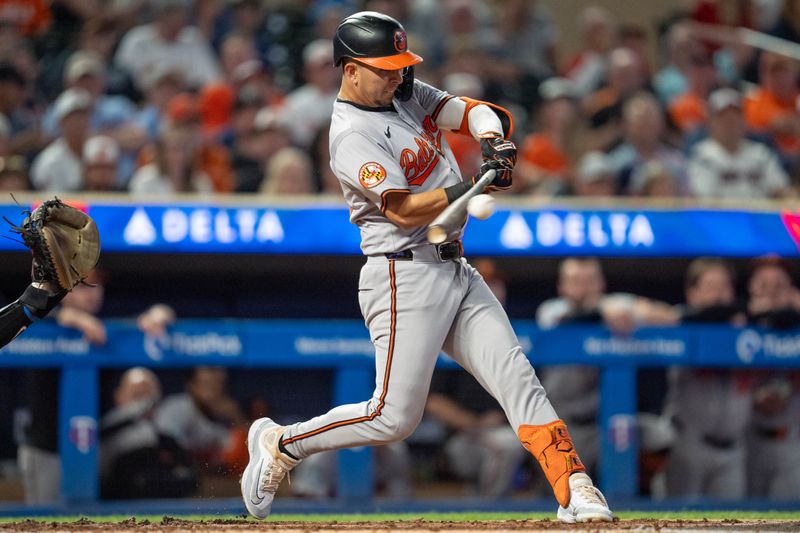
371	174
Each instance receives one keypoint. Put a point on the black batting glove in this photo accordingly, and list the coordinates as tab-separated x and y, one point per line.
499	154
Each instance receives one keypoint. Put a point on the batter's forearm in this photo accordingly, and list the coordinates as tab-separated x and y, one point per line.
414	210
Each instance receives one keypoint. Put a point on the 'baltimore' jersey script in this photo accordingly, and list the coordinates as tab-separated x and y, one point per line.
398	148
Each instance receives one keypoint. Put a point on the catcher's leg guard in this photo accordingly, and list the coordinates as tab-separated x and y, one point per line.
552	446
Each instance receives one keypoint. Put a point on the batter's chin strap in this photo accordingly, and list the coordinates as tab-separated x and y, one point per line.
506	119
406	88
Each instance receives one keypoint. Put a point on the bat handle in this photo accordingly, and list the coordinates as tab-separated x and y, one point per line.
445	226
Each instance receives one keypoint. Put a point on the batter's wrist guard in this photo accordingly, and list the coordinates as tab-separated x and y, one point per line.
552	446
453	192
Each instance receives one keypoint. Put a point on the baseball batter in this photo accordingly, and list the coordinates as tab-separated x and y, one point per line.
397	173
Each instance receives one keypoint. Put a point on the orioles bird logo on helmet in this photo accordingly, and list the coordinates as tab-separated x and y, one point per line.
400	41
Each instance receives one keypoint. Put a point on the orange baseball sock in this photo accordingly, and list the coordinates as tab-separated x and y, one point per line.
552	446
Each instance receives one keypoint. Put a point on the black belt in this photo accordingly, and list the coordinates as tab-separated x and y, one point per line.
720	444
773	433
712	440
445	251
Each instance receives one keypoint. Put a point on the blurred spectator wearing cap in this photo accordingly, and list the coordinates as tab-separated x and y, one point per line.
169	38
259	138
643	147
588	68
772	106
728	165
311	105
100	162
58	167
709	407
199	165
112	115
773	454
545	157
288	173
594	176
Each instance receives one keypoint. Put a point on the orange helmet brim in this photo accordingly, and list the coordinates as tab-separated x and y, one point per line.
395	62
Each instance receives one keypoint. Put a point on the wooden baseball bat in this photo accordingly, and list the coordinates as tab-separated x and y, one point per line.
446	226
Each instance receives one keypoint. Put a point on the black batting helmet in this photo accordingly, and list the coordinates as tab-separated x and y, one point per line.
375	39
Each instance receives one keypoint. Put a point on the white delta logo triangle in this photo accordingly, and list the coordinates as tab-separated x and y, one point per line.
516	234
140	230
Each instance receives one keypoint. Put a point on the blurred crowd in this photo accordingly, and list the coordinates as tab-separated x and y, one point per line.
161	96
154	97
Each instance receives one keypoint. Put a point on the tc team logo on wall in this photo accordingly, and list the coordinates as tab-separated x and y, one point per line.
83	433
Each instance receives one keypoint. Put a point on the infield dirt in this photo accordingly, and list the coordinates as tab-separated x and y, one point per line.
408	526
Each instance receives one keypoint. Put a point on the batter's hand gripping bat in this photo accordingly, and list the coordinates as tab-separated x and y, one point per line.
446	226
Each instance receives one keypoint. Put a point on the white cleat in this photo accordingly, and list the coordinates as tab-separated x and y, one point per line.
267	467
586	502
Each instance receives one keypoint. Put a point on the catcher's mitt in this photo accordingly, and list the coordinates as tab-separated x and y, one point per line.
64	241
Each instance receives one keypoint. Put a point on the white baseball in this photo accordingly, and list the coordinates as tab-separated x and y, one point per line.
481	206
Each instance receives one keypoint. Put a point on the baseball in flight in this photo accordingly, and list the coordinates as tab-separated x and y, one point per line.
481	206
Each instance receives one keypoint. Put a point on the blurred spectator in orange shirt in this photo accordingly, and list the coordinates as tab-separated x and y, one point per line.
772	107
28	17
688	111
544	161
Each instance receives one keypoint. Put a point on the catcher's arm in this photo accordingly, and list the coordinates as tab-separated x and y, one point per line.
37	300
65	245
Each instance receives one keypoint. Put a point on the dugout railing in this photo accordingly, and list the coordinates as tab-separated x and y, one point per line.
343	346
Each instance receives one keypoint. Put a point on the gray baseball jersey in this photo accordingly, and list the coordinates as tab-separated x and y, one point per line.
398	148
414	308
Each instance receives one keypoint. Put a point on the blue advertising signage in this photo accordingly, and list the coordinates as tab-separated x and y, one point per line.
335	343
325	229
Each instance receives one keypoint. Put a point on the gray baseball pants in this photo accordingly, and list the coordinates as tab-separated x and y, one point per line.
414	309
